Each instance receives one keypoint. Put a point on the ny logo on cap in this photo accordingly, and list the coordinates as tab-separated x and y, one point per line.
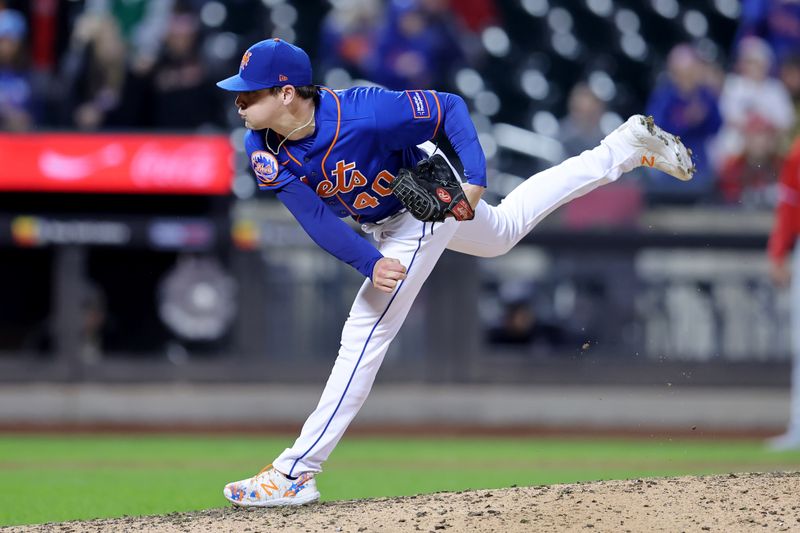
245	60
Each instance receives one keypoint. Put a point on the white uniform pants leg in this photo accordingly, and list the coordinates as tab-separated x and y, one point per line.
794	411
374	320
496	229
790	440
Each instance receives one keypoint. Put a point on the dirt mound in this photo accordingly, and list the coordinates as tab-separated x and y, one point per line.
734	502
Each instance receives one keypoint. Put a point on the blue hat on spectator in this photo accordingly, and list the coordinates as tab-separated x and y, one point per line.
12	24
270	63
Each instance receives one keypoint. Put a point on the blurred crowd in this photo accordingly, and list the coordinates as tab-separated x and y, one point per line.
101	65
739	115
136	64
139	64
739	122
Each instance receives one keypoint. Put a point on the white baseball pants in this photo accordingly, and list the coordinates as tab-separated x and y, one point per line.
376	316
794	312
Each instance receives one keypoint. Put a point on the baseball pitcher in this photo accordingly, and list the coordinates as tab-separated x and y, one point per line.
366	153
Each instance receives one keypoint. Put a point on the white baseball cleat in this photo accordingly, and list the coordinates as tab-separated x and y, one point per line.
657	148
270	488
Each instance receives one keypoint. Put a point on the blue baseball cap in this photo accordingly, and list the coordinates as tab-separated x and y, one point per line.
270	63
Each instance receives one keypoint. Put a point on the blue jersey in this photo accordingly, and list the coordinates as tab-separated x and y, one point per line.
363	136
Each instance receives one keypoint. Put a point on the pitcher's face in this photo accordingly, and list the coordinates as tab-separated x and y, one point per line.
260	109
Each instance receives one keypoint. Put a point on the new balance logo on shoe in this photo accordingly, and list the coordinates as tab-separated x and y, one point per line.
649	162
271	486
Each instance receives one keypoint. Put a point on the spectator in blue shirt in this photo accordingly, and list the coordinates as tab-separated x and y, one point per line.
688	107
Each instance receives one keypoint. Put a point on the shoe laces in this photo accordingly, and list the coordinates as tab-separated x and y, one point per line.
270	467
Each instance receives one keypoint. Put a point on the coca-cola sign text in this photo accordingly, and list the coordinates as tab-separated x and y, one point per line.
133	163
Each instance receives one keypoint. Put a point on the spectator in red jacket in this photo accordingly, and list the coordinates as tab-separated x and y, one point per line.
750	178
784	237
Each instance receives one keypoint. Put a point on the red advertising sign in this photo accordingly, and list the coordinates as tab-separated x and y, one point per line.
124	163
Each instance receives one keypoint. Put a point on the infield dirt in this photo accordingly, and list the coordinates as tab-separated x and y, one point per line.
733	502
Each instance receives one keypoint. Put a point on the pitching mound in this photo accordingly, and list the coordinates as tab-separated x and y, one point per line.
735	502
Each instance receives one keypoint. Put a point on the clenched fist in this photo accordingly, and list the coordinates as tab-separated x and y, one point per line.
387	273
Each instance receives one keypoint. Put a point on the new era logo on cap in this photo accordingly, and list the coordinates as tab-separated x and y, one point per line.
270	63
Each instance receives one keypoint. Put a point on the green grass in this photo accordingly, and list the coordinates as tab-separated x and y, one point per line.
46	478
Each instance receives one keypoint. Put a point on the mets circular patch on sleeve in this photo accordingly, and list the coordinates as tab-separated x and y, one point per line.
265	166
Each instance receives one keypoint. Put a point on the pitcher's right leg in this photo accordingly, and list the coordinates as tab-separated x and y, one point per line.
374	320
